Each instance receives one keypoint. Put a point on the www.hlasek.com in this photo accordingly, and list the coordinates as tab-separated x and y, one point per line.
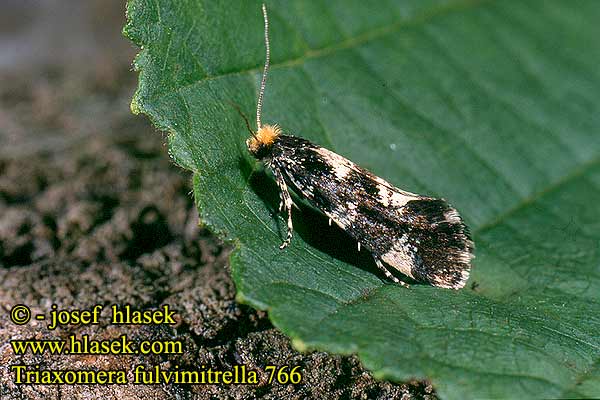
83	345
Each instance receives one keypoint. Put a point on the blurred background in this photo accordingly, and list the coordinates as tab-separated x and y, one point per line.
65	73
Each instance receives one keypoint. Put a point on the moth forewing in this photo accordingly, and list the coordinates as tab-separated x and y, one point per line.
421	237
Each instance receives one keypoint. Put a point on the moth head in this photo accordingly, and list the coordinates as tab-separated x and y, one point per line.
261	141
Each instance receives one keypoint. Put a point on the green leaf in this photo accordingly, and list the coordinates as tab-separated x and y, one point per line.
494	106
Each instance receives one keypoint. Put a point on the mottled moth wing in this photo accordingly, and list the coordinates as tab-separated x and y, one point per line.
421	237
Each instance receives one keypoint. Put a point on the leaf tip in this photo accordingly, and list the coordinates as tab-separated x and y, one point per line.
240	297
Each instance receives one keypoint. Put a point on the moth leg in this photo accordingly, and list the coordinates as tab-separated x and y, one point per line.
388	273
281	200
286	202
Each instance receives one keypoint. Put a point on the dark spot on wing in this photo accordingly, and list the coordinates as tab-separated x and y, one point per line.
365	181
321	200
314	163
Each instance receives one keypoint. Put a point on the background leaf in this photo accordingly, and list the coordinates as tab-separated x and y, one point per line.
494	106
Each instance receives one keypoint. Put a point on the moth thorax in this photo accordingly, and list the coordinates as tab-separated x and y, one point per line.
260	143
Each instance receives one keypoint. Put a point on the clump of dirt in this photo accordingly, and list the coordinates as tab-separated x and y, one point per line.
112	220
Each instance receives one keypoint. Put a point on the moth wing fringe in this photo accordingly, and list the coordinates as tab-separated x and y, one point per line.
444	245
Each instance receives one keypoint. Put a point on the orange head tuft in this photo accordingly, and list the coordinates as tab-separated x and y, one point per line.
261	142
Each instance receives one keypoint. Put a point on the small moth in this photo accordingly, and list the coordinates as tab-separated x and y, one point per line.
421	237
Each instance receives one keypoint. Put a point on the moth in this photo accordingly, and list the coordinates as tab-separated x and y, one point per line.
421	237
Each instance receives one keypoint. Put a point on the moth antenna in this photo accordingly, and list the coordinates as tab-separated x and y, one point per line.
266	69
238	109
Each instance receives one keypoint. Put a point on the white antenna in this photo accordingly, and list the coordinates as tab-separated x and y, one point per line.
266	70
